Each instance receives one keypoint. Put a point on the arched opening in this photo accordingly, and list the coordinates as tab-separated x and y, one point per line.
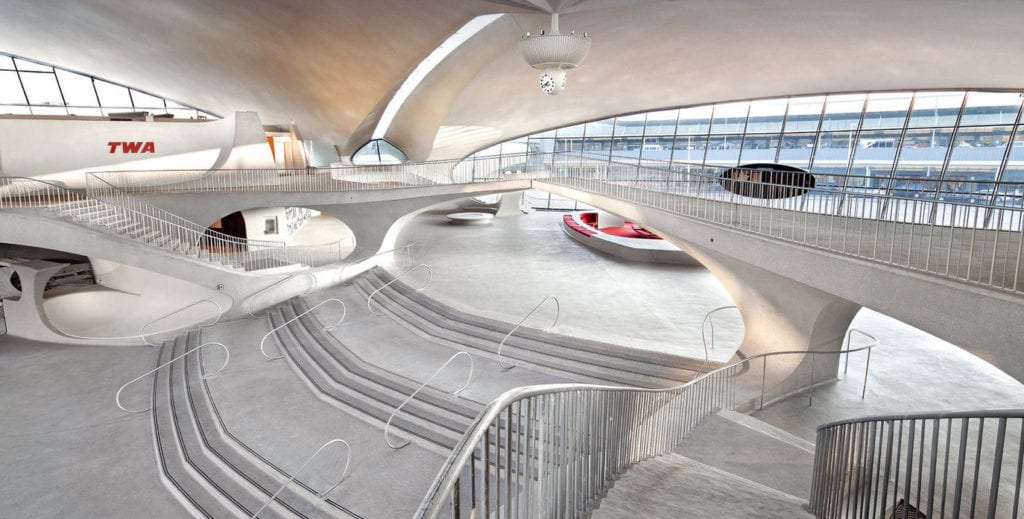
231	225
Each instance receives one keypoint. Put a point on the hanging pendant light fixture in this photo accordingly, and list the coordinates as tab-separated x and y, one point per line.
553	54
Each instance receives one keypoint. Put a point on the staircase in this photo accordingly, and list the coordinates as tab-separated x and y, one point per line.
212	472
572	357
365	389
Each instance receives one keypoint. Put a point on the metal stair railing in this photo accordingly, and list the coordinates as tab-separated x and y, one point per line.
216	318
369	299
172	233
709	320
321	495
553	450
947	464
469	379
558	313
227	358
344	312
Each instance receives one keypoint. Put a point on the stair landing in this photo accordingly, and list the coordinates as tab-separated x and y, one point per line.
674	486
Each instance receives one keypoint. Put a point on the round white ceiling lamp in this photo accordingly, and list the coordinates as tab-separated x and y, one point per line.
553	54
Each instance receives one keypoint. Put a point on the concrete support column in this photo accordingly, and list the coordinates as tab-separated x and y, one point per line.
780	314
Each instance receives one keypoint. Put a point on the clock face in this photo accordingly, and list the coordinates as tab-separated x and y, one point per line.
547	83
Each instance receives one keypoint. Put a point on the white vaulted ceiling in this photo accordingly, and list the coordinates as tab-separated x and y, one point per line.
332	65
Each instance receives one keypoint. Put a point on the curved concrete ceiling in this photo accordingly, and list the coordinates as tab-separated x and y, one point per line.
332	65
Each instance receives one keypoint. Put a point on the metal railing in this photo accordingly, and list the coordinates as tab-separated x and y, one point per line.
321	495
117	396
708	320
119	213
867	365
553	450
959	464
345	178
216	318
263	341
558	313
469	379
369	299
971	242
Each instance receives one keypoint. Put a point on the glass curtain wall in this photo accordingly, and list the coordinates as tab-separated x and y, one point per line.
947	145
32	88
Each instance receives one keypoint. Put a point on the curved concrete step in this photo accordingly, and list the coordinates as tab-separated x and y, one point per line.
246	462
371	398
215	473
551	352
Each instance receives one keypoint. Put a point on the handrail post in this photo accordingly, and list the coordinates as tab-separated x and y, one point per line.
344	313
321	495
558	312
469	379
117	396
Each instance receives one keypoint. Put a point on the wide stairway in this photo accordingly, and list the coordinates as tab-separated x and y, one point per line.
548	352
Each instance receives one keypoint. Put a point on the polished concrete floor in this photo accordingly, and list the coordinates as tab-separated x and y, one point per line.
503	269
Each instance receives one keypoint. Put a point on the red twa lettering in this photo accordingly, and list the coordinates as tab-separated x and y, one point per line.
133	147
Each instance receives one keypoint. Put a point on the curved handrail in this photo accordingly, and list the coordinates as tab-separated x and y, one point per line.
344	312
387	426
430	275
408	257
117	396
451	471
558	313
849	336
708	319
248	300
348	460
220	313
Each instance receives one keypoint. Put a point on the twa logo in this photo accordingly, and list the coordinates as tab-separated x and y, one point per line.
132	147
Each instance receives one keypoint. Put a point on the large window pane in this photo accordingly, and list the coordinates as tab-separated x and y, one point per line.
1012	182
689	149
10	89
920	162
886	111
77	89
797	148
148	103
973	163
723	150
545	133
6	63
41	88
14	110
842	112
874	157
600	128
28	65
990	108
766	116
804	114
662	123
575	130
630	125
658	147
113	96
760	148
49	110
536	145
832	157
935	109
730	117
694	121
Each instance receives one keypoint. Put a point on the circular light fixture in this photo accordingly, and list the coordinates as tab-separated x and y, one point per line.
553	54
